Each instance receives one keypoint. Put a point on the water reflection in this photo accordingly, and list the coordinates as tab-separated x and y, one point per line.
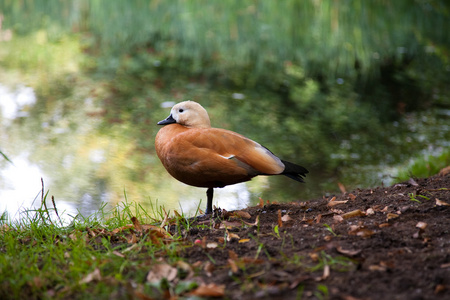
82	169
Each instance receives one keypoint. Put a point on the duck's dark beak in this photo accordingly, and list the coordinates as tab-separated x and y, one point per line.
168	120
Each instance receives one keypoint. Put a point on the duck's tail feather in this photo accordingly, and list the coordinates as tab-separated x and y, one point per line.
294	171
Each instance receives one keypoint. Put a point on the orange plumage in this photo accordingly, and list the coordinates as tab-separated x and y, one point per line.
198	155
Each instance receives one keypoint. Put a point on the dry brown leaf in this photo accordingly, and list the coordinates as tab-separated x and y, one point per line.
351	196
318	218
338	219
326	273
441	203
286	218
342	188
391	216
421	225
379	268
230	224
439	288
241	241
209	290
384	225
361	232
332	199
95	275
132	239
160	271
117	253
348	252
314	256
352	214
120	229
333	203
137	224
233	266
261	202
370	212
256	223
445	266
242	214
444	171
280	223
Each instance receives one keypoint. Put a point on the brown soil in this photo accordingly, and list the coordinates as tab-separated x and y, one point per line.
394	244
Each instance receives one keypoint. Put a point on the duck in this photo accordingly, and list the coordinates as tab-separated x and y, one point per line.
199	155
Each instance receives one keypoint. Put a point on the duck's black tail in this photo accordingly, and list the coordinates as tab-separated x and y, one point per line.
294	171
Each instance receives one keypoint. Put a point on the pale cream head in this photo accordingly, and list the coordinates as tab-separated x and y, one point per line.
190	114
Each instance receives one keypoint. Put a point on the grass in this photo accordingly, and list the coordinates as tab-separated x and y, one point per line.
127	252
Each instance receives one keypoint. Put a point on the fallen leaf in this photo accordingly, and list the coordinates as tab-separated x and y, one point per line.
95	275
360	231
209	290
422	225
351	196
352	214
160	271
286	218
444	171
132	239
370	212
384	225
347	252
211	245
137	224
318	218
261	202
256	223
230	224
391	216
439	288
338	219
444	266
378	268
233	265
331	204
326	273
342	188
242	214
280	223
241	241
117	253
441	203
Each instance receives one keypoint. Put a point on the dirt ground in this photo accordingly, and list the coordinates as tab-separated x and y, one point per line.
381	243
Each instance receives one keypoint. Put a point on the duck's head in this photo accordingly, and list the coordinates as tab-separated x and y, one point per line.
189	114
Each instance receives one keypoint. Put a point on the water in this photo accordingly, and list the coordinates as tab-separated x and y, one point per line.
57	144
62	151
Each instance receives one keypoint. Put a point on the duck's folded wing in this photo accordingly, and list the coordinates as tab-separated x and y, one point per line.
244	152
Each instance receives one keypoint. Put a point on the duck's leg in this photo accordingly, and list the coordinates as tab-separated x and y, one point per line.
209	195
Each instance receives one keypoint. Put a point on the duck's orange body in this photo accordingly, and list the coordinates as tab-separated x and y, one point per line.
198	155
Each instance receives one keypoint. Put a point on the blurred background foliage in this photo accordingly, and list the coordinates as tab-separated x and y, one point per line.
336	86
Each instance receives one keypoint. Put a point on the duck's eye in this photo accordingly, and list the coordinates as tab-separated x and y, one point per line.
180	110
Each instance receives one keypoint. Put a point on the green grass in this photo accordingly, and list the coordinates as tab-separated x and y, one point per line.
42	259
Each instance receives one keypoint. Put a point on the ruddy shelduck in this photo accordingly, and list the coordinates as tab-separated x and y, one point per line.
197	154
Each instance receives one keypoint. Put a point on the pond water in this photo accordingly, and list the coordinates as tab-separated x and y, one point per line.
85	170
